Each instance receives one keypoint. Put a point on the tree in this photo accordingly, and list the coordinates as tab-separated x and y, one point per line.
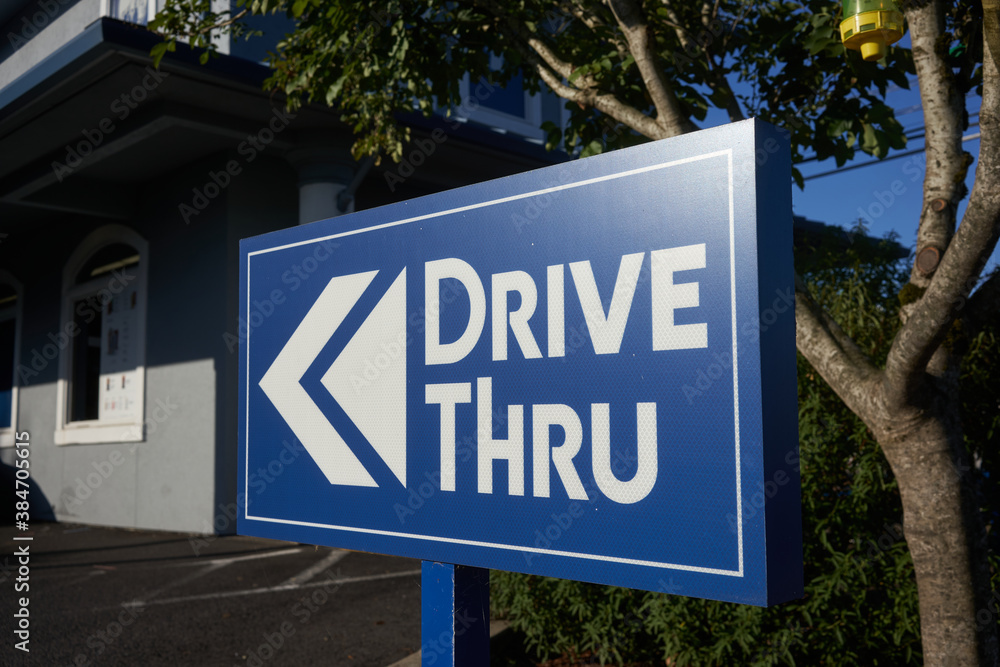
634	71
860	602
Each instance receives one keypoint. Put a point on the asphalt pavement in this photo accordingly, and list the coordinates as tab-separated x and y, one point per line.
106	596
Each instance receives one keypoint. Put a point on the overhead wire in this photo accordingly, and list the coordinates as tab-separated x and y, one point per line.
869	163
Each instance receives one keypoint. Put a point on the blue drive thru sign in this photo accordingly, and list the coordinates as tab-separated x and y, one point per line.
585	371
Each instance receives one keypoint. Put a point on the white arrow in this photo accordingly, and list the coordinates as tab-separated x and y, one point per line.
384	400
368	378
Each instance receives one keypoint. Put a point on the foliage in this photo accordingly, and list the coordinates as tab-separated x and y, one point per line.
191	20
780	60
378	62
860	606
819	246
979	389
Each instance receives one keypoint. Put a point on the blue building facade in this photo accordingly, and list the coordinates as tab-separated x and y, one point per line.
124	191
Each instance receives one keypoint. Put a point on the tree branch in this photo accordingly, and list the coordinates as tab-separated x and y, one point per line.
832	352
732	26
588	94
668	111
706	12
932	316
942	104
683	36
595	23
718	80
714	79
603	102
553	70
227	22
529	44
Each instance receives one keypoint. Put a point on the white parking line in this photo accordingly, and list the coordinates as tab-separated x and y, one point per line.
270	589
255	556
305	575
210	566
159	566
197	574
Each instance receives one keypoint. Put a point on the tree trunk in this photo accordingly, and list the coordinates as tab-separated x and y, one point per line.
922	440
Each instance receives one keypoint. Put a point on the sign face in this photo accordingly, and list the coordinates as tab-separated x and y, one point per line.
586	371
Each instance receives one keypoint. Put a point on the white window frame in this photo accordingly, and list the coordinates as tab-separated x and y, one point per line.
7	433
152	7
98	430
528	126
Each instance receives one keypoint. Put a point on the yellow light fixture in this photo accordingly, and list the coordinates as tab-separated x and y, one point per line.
870	26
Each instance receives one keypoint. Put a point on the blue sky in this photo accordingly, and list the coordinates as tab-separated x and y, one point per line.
886	194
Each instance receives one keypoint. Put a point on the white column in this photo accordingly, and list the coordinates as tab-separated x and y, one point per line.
220	40
323	174
318	201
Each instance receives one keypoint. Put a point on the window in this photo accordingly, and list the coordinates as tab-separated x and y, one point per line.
131	11
509	99
10	310
101	390
508	109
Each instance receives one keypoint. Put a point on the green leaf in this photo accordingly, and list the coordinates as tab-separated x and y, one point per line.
334	90
595	147
553	135
577	73
720	97
869	139
797	177
158	51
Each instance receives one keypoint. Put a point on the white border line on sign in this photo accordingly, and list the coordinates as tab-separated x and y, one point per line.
736	366
511	547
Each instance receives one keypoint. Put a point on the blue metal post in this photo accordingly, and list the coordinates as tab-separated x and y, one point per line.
455	615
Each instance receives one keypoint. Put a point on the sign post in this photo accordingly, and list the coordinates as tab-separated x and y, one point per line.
585	371
454	615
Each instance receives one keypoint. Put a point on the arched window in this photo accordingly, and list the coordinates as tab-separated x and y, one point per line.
101	392
10	339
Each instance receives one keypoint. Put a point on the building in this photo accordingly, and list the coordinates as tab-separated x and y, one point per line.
124	191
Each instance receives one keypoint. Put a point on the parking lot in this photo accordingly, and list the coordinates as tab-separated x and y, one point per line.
100	596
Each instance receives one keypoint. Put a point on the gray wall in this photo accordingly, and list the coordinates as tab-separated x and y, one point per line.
182	473
34	33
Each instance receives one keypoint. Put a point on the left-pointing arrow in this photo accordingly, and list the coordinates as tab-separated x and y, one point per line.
377	353
281	382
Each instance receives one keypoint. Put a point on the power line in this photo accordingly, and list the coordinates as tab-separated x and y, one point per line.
869	163
898	112
914	133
